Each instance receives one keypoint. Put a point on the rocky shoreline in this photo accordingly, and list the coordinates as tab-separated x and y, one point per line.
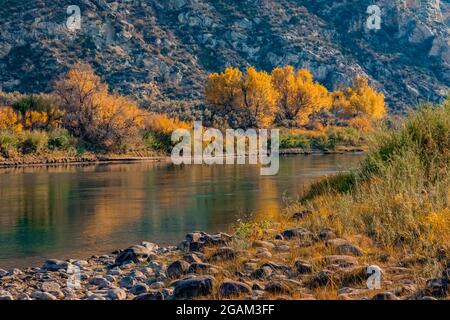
205	266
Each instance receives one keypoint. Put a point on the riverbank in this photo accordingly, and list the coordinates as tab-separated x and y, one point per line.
291	263
92	158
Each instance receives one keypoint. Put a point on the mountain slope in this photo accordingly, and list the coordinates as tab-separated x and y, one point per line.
166	48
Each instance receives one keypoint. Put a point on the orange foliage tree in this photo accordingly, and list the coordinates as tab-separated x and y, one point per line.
360	100
245	100
299	95
9	119
94	115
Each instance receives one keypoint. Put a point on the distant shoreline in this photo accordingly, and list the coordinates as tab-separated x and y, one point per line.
96	159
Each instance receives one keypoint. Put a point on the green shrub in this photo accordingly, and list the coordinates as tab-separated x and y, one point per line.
33	141
294	141
158	141
8	143
60	139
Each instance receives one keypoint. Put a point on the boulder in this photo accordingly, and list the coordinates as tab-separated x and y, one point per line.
39	295
342	246
137	253
232	288
139	289
297	233
117	294
385	296
55	265
303	267
263	244
177	269
262	273
278	287
341	261
203	268
192	287
223	254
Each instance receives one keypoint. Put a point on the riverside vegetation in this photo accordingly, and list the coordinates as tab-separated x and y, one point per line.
392	212
81	120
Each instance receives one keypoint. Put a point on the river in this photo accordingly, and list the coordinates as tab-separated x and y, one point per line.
77	211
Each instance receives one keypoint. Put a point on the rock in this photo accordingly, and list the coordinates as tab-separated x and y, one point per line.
139	289
99	281
223	254
23	296
303	267
342	246
427	298
250	266
297	233
262	273
326	234
232	288
385	296
301	215
322	279
157	285
204	268
193	287
282	248
116	271
55	265
278	287
39	295
193	257
263	244
341	261
151	296
263	253
127	282
137	253
437	287
177	269
117	294
3	273
5	295
195	241
50	286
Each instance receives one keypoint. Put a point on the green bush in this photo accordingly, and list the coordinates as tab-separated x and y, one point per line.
33	141
60	139
8	143
158	141
294	141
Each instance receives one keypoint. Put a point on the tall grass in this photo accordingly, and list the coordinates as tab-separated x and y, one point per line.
400	196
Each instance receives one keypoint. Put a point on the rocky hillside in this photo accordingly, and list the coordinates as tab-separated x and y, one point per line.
153	48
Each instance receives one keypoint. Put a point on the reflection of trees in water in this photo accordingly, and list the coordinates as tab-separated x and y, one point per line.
89	206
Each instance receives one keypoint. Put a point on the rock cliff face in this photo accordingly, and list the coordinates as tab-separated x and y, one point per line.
153	48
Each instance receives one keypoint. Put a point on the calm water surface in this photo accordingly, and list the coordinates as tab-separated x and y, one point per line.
78	211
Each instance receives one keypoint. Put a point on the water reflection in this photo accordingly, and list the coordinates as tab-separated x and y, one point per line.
76	211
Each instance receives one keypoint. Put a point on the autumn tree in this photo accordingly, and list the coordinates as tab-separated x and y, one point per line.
299	95
38	112
94	115
260	98
360	100
244	100
9	119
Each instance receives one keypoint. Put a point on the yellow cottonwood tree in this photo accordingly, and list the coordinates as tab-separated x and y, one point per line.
9	119
225	89
360	99
299	94
248	101
260	98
